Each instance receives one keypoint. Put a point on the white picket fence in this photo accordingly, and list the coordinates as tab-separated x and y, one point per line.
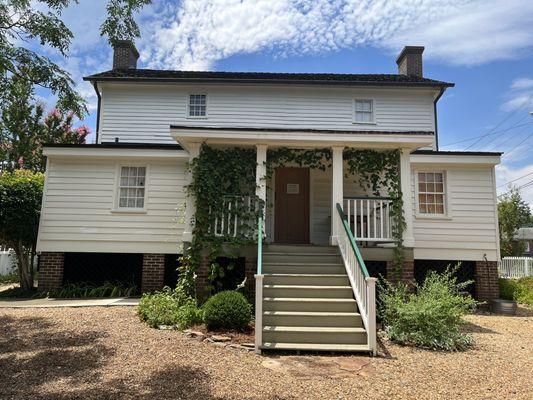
516	267
7	260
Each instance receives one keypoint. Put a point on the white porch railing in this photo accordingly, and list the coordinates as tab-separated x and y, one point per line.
515	267
234	217
369	218
363	286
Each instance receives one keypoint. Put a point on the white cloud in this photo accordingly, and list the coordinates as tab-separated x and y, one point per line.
519	176
519	95
194	34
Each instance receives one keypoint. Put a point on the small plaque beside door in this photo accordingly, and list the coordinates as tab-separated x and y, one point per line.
293	188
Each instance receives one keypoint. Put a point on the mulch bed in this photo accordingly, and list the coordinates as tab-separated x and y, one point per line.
107	353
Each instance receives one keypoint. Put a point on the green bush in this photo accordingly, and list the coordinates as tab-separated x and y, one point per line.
227	310
169	307
188	315
519	290
429	318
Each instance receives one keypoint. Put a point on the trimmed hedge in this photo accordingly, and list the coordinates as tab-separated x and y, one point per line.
227	310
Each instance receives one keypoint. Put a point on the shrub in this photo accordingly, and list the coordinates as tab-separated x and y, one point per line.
519	290
430	318
227	310
169	307
188	315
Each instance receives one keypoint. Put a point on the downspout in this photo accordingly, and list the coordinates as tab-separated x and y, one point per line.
442	90
95	85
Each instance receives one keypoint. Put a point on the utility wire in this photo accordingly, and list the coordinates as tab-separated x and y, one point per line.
519	144
488	134
502	121
514	180
525	185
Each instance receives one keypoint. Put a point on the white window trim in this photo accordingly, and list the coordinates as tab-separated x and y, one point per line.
116	197
188	105
373	121
447	211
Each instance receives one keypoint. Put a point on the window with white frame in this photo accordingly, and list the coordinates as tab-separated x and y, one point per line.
431	193
132	184
197	105
364	111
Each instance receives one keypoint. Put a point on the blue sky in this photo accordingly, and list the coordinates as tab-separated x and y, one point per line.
484	46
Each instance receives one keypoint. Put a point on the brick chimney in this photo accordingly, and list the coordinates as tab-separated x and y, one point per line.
125	55
410	61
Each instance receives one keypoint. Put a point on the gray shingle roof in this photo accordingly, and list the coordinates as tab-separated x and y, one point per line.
264	77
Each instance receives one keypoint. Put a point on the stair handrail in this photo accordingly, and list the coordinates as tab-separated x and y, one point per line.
363	285
259	288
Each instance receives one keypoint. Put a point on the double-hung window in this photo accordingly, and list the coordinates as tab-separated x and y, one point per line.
197	105
364	111
132	187
431	193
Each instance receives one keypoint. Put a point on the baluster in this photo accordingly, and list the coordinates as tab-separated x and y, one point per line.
368	218
354	218
362	218
381	218
374	235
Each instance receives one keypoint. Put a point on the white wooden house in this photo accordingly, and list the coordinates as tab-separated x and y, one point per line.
123	195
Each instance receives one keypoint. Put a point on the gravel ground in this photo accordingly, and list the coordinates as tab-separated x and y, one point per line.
106	353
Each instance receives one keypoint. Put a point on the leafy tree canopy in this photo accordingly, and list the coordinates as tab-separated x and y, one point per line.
513	212
24	129
23	21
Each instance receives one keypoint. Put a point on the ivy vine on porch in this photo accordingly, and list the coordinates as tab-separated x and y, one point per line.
222	175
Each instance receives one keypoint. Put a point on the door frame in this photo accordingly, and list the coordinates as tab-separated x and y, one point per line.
309	203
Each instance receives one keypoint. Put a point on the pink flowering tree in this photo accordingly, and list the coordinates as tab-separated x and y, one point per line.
24	130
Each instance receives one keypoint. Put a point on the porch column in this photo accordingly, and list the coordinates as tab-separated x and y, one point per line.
260	173
405	178
337	191
190	206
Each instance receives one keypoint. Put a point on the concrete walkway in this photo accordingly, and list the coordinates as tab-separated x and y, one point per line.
50	302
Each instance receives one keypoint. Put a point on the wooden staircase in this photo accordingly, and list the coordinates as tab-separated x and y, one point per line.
308	303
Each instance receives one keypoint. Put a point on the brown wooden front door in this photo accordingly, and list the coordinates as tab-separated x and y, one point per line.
291	208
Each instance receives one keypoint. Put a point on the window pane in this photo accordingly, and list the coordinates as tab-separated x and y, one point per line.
439	188
123	202
431	198
438	177
422	198
439	209
423	209
421	177
140	202
431	208
430	177
421	187
439	198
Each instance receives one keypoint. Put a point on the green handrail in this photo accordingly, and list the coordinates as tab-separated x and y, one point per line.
355	248
260	245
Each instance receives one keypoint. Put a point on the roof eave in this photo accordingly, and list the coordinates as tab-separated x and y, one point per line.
93	78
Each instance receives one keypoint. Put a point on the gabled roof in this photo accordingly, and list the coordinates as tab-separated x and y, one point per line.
264	77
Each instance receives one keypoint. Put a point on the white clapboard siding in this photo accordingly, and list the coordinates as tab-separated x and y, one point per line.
79	211
143	112
469	231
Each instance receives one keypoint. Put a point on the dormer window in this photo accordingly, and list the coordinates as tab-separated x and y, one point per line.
197	105
364	111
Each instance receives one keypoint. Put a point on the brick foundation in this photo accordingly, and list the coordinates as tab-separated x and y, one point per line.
153	273
50	271
486	277
250	270
202	280
407	274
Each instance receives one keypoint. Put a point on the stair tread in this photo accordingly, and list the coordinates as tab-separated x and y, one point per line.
307	275
304	263
288	253
313	329
312	313
332	287
315	346
309	299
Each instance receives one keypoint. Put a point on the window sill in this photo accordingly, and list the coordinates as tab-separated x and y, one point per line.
193	117
129	211
363	123
433	217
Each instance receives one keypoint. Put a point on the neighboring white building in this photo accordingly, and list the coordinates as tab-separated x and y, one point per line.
152	122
